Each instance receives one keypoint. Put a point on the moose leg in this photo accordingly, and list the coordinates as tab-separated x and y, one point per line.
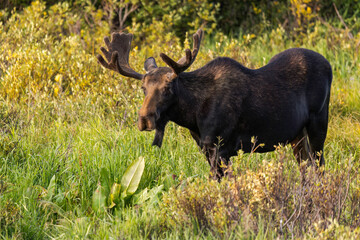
300	146
317	128
217	157
301	149
206	150
213	159
196	137
218	163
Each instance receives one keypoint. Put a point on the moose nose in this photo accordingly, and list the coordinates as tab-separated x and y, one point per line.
146	123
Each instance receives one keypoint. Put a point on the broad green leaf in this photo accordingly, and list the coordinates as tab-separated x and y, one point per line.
146	195
141	197
51	188
114	196
99	199
154	192
131	178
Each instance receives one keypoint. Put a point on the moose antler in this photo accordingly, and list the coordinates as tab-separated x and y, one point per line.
188	59
117	55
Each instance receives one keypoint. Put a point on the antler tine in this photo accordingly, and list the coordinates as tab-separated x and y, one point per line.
185	62
117	55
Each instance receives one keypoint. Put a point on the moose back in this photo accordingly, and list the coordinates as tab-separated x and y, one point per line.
284	102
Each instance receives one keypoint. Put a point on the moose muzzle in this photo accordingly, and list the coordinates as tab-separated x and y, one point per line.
147	123
148	113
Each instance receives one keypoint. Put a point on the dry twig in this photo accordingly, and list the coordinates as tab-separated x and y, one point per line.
343	22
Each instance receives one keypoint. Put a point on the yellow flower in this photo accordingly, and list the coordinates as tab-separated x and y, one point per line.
308	10
56	91
256	10
58	78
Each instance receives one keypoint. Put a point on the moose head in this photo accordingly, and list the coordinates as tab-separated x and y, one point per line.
157	82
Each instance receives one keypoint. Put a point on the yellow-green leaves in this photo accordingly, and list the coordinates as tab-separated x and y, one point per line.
114	196
109	197
99	199
131	179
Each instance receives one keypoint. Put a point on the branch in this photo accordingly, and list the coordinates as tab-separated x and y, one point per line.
127	12
343	22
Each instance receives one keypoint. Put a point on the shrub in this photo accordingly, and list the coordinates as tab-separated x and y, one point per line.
277	195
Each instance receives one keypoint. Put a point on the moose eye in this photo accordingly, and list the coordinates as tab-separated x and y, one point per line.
144	90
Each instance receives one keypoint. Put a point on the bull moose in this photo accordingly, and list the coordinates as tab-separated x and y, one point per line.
286	101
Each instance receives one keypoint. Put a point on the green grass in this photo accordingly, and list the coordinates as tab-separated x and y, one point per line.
75	153
76	161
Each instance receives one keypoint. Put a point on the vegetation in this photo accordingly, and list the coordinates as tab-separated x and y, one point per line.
71	155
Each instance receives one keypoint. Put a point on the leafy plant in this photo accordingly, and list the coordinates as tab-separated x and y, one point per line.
109	194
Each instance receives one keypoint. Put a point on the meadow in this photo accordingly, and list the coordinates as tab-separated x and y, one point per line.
68	134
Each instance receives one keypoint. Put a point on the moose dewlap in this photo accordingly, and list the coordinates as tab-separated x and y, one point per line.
285	101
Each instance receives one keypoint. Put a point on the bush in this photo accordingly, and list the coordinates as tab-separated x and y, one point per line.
277	195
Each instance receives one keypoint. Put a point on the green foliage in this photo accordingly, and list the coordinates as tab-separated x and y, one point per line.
99	199
159	21
59	69
295	16
240	16
131	178
334	231
109	194
168	18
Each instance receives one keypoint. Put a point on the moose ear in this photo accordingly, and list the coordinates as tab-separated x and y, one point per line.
150	64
